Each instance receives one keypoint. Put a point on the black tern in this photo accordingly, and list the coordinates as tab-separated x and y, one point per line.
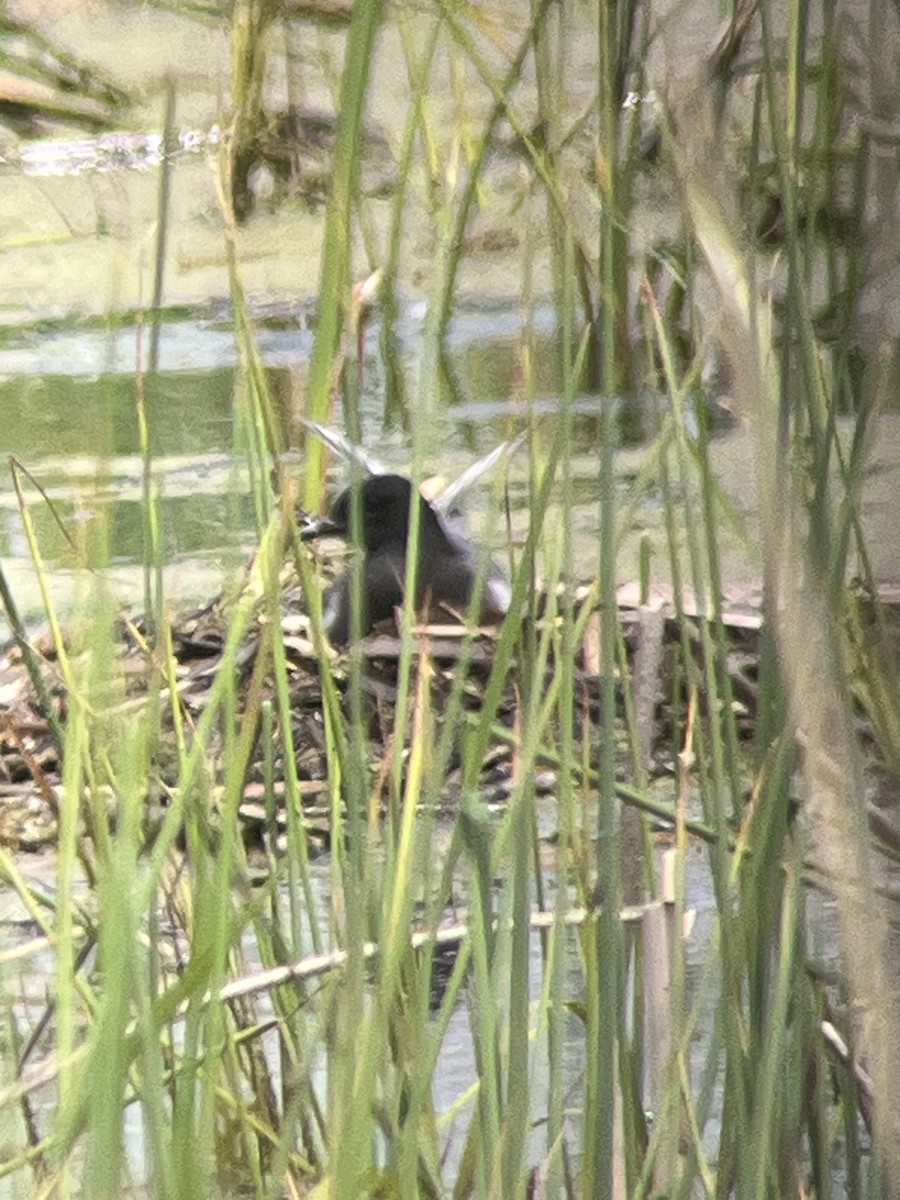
447	568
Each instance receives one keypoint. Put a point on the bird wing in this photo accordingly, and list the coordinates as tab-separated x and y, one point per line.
444	502
347	450
460	564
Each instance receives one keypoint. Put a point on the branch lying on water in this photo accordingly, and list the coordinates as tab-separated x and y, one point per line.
317	965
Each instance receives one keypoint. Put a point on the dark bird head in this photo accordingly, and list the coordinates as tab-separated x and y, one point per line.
384	502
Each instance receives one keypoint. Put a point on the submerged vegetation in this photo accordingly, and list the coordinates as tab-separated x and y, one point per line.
217	1029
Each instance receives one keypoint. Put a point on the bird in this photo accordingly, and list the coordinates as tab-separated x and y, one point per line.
448	563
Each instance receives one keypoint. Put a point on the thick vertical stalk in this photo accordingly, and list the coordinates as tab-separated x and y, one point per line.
250	25
612	170
604	958
334	289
